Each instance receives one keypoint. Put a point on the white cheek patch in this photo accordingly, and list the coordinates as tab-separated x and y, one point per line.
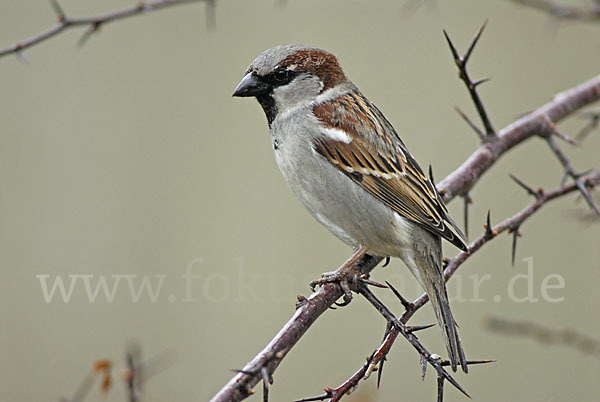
337	135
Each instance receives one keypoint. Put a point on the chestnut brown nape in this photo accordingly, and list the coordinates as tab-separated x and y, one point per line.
319	62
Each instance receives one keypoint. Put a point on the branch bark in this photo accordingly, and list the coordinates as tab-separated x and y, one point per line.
537	122
307	312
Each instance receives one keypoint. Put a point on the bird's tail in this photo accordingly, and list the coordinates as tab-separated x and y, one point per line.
426	265
436	290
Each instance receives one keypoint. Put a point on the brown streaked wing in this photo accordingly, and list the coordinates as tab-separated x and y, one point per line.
377	160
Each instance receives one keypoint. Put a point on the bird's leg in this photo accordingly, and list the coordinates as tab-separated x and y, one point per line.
342	275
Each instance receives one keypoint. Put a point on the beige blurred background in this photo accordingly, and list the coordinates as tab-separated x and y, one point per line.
129	157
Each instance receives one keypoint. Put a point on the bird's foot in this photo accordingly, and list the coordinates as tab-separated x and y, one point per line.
347	279
346	275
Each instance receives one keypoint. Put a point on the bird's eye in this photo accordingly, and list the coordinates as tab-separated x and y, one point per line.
282	76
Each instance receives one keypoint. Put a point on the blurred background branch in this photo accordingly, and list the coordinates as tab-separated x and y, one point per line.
95	22
551	336
564	10
134	375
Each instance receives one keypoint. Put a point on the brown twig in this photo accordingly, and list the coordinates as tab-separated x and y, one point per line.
565	11
93	23
241	385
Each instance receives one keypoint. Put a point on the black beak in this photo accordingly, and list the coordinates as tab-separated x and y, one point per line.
251	85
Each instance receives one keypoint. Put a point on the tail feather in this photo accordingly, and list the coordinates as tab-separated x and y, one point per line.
425	262
441	306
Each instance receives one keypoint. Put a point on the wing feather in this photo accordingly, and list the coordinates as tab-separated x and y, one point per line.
378	161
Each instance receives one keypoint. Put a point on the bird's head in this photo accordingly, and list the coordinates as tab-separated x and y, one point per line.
288	76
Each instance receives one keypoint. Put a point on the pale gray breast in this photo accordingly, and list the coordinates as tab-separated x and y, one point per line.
349	212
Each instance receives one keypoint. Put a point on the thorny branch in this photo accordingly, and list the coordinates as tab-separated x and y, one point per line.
461	63
94	23
307	311
542	198
565	11
570	172
371	365
455	184
562	105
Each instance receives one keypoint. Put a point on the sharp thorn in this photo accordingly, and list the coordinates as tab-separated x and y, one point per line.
529	190
481	81
415	328
469	362
457	58
588	198
407	305
564	137
315	398
585	172
92	28
477	130
387	261
590	126
372	283
488	225
474	42
466	201
472	362
515	234
380	372
452	381
58	10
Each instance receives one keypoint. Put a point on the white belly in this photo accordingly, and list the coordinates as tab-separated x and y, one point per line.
348	211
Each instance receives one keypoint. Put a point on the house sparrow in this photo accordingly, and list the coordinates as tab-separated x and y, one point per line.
348	166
